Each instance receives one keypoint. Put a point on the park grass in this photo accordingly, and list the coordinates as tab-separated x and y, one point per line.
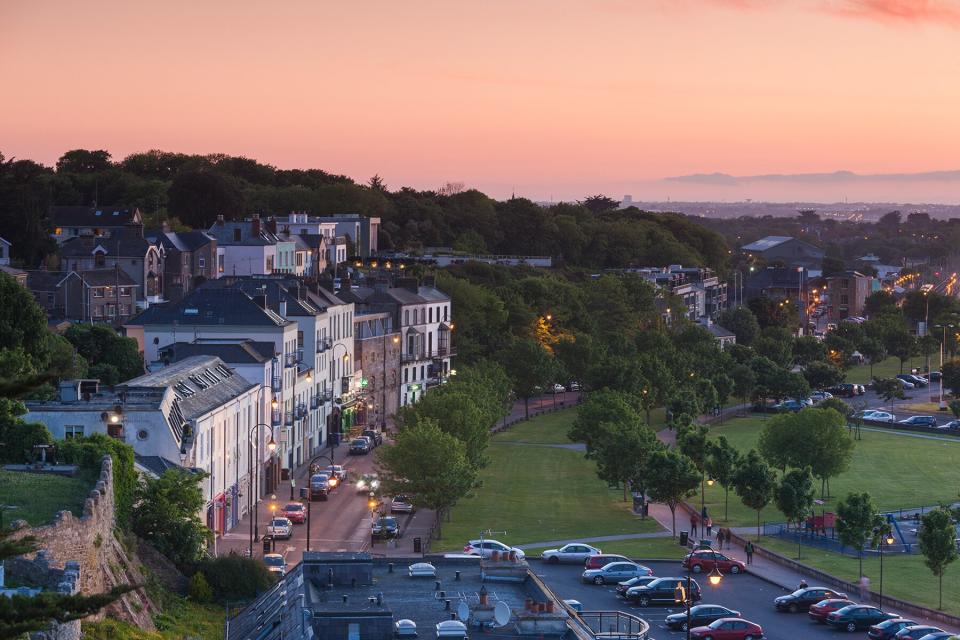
904	575
180	619
537	493
660	548
37	498
898	472
887	368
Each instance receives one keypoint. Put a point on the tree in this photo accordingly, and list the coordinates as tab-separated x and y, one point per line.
165	514
874	351
88	453
600	203
233	577
19	437
794	495
879	303
197	197
951	375
807	349
22	321
856	520
427	464
889	388
742	322
604	407
937	537
671	478
902	345
821	374
100	345
955	408
459	414
775	343
754	482
722	461
530	368
622	453
744	381
692	442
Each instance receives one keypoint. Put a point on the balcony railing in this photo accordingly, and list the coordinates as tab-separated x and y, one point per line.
323	344
327	395
276	417
316	401
277	384
290	360
446	351
288	417
301	410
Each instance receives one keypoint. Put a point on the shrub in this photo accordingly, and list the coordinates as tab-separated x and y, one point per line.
234	577
88	453
200	590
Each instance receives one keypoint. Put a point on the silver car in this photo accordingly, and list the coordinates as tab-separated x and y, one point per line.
574	552
615	572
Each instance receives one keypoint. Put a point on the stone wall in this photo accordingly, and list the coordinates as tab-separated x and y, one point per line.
83	554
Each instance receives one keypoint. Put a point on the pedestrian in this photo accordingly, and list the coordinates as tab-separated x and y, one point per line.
720	539
709	524
864	588
748	549
693	524
803	584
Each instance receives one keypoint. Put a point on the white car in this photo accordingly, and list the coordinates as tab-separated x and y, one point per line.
485	548
820	396
280	528
559	388
879	416
275	564
401	504
905	384
615	572
574	552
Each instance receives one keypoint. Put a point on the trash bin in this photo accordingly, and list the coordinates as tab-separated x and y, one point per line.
417	545
267	544
304	493
684	536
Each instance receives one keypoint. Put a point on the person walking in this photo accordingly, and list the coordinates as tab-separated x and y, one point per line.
748	549
693	524
708	523
864	588
720	539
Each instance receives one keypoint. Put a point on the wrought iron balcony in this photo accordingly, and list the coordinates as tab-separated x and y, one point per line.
290	360
301	410
316	401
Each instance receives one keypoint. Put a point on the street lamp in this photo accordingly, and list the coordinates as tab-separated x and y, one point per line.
885	538
943	405
255	481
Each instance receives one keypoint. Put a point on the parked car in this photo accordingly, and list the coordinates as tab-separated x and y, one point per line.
385	527
801	599
938	635
857	616
280	528
729	629
700	615
368	482
918	380
626	585
818	612
704	560
820	396
485	548
558	388
661	591
573	385
880	416
603	559
847	389
401	504
360	447
935	376
906	384
615	572
887	629
953	425
376	438
919	421
319	486
295	512
792	405
574	552
337	471
631	593
275	564
916	632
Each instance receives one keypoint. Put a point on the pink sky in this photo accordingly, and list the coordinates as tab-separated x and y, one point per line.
553	98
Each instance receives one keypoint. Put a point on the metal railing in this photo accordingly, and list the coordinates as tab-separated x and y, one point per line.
290	360
301	410
288	417
277	384
615	625
316	401
276	417
327	395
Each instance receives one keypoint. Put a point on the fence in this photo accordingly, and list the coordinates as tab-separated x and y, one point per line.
615	625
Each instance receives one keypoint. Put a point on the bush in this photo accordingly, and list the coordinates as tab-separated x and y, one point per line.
234	577
88	453
200	590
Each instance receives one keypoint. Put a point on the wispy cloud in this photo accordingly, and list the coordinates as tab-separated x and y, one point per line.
915	11
822	178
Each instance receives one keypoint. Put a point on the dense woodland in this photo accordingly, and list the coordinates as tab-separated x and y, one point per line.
195	189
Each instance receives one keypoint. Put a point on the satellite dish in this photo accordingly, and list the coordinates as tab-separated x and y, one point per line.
463	611
501	613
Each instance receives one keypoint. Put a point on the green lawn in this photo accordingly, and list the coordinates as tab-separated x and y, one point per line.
898	471
665	548
549	428
538	493
37	498
904	576
180	619
885	369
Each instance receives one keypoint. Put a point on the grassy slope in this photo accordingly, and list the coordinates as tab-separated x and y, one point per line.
180	619
897	471
885	369
537	493
904	576
38	498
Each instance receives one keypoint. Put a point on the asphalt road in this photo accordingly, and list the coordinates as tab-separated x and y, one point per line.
748	594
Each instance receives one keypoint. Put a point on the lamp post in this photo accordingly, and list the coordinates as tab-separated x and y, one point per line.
383	387
942	404
255	482
885	538
345	359
686	595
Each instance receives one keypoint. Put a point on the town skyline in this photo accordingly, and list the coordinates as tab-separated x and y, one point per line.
548	101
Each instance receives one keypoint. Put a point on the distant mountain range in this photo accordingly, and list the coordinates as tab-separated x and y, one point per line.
836	177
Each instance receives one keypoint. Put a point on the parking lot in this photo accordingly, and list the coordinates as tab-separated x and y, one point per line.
750	595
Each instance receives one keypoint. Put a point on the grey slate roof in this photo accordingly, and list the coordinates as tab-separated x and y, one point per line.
246	352
101	216
155	464
304	302
126	242
181	240
210	306
223	232
38	280
764	244
106	278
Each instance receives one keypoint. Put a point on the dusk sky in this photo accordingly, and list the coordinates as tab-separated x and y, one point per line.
547	98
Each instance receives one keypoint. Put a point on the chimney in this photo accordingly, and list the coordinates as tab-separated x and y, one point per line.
272	225
219	219
483	595
255	225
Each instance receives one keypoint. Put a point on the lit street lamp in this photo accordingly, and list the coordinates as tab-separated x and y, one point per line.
253	476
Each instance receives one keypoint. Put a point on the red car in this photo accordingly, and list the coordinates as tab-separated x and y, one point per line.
295	512
728	629
704	560
603	559
819	612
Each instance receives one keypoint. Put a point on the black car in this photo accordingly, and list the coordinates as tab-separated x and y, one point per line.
889	628
639	581
916	632
662	591
376	438
700	616
360	447
385	527
857	616
801	599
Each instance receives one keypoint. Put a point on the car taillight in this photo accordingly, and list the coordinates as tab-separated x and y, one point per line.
466	549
